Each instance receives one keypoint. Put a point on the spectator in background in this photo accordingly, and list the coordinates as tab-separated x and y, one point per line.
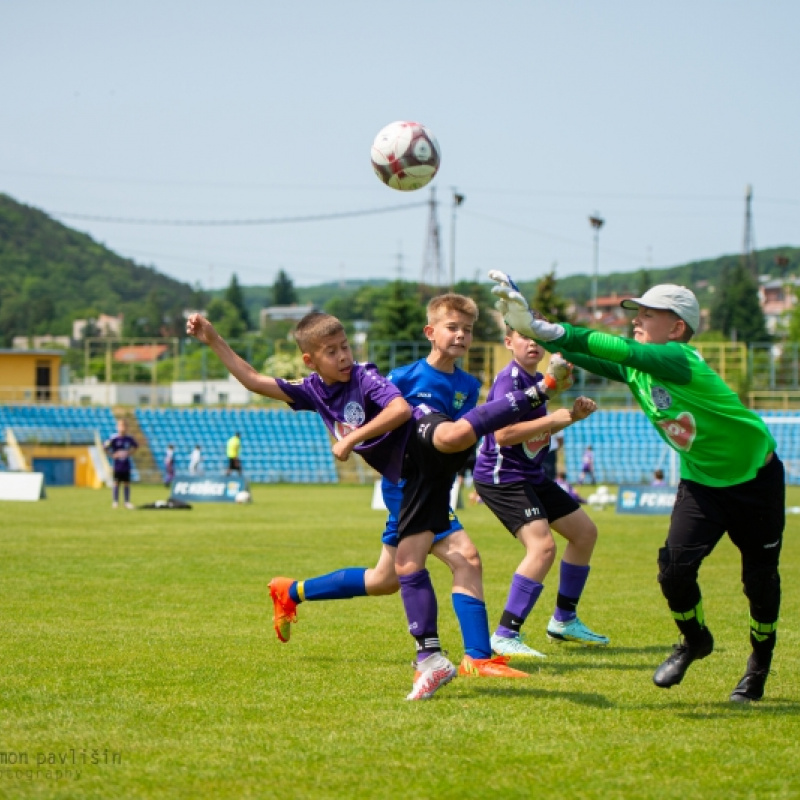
169	465
550	463
234	448
587	466
561	480
658	478
121	447
196	461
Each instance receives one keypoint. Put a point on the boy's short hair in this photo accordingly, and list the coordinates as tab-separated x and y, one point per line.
314	327
447	303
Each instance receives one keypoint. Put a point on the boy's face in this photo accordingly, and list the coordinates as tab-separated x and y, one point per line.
526	352
451	334
121	427
656	326
332	359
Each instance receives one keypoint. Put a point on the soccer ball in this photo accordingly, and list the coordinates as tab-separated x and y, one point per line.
405	156
243	497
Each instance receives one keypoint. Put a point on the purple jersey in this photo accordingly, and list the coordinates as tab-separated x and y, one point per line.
519	462
345	406
120	448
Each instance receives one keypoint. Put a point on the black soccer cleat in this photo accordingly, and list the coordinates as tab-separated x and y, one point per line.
671	672
751	686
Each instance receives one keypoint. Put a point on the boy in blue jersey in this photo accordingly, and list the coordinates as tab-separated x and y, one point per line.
367	414
121	447
510	478
437	382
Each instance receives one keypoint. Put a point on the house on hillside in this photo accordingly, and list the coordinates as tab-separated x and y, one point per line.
293	313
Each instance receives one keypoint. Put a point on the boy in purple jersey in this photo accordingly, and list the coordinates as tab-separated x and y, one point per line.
368	415
121	447
510	479
437	382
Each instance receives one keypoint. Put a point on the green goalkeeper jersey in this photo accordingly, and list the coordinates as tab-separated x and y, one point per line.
720	441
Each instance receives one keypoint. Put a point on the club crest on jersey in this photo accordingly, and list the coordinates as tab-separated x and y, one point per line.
661	398
354	414
459	399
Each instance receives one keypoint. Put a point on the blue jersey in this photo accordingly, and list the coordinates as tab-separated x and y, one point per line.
452	393
519	462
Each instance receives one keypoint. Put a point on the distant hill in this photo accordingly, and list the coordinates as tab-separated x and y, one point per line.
52	274
700	276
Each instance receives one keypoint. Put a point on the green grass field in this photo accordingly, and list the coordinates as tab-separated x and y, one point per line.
139	661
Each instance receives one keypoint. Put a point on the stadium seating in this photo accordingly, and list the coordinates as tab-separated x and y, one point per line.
52	424
627	448
278	445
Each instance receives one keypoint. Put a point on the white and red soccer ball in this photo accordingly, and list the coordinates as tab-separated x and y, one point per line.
405	156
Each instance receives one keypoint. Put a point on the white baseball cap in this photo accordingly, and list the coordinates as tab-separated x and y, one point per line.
669	297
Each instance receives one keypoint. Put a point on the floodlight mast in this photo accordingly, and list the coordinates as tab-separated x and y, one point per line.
597	222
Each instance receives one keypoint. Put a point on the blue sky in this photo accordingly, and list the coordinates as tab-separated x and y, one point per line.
657	116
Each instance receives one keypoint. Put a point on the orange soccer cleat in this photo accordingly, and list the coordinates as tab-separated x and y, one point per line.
496	667
285	609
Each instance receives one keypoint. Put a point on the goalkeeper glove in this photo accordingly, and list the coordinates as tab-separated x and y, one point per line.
516	313
558	376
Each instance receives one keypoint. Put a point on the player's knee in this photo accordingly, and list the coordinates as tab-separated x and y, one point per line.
453	437
762	587
677	574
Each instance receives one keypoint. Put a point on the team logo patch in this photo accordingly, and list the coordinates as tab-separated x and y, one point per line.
354	414
534	446
459	399
661	398
680	431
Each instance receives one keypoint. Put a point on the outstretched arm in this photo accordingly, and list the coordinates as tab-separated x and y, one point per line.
202	330
561	418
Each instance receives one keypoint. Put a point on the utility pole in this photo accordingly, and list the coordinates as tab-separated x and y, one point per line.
597	222
748	248
432	261
458	199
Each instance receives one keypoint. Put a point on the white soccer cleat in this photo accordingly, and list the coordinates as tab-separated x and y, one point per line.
432	673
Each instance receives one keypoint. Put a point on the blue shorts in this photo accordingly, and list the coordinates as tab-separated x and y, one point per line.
392	497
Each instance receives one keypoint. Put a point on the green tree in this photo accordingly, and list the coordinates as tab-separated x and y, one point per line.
736	310
235	297
283	291
547	301
399	318
226	319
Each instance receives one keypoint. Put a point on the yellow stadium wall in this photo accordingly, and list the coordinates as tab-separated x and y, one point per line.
85	474
18	376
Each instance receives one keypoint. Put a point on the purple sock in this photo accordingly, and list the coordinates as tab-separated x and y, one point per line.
127	492
522	597
419	601
570	588
116	492
497	414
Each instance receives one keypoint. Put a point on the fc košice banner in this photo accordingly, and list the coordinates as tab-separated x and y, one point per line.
207	488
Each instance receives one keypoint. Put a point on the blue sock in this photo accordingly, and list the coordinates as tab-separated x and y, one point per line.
340	585
474	623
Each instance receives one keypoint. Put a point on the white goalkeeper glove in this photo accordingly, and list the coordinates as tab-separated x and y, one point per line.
514	308
558	376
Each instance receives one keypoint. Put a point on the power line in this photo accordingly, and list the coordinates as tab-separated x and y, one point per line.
219	223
